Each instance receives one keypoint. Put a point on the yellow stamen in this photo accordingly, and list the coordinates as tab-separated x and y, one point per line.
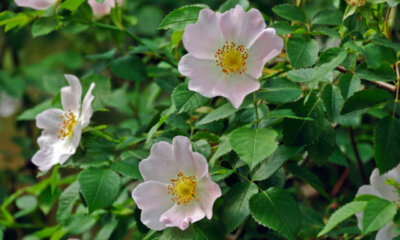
183	189
66	127
232	58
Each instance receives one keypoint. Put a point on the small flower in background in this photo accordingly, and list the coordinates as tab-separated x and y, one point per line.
227	53
380	188
177	188
36	4
8	104
62	129
102	9
357	3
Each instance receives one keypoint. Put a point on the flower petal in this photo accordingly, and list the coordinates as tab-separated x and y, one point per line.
8	104
236	87
201	165
203	38
36	4
160	165
47	157
181	216
208	191
71	95
387	232
153	199
49	119
242	27
102	9
267	46
183	153
87	110
365	189
378	182
76	137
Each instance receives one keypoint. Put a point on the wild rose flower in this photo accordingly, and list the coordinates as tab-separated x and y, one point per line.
227	53
177	188
102	9
381	189
8	104
36	4
62	129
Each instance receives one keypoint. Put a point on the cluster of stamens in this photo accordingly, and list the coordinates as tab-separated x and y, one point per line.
66	127
183	189
232	58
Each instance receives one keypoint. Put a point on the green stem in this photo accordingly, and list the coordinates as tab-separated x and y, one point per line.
256	109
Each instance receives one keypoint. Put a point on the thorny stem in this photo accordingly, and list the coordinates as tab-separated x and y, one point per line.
357	155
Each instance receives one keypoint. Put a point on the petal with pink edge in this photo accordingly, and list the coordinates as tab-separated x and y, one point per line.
242	27
87	110
71	95
267	46
182	149
160	165
201	165
153	199
181	216
36	4
203	38
208	191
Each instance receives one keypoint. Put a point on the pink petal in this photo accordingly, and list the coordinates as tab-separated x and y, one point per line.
181	216
203	74
236	87
208	191
160	165
182	149
267	46
102	9
49	119
87	110
387	232
47	157
201	165
153	199
242	27
378	182
203	38
36	4
71	95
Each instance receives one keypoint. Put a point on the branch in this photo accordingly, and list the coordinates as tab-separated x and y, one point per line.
357	155
387	86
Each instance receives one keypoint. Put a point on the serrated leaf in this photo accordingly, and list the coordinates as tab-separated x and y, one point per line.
236	204
253	145
349	84
72	5
302	52
66	201
366	99
106	231
130	68
186	100
129	168
279	90
384	73
328	17
342	214
99	187
276	209
224	147
221	112
179	18
387	142
322	148
290	12
333	102
377	214
44	26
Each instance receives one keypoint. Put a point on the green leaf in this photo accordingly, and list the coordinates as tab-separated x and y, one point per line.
342	214
384	73
19	20
219	173
232	4
377	214
329	60
365	99
279	90
72	5
101	91
130	68
99	187
47	199
31	113
302	52
26	202
186	100
333	102
382	41
221	112
276	209
322	148
328	17
308	177
129	168
106	231
301	75
178	19
54	178
236	204
349	84
44	26
253	145
285	113
387	142
66	201
290	12
224	147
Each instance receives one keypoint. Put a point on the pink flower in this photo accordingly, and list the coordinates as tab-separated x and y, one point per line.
381	189
177	188
36	4
227	53
102	9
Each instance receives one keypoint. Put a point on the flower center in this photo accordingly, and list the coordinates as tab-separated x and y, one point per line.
232	58
66	127
183	189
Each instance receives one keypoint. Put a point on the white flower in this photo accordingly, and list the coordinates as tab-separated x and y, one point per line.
36	4
177	188
227	53
381	189
8	104
102	9
62	129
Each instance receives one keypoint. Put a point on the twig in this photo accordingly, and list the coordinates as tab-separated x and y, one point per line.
384	85
387	31
357	154
340	182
